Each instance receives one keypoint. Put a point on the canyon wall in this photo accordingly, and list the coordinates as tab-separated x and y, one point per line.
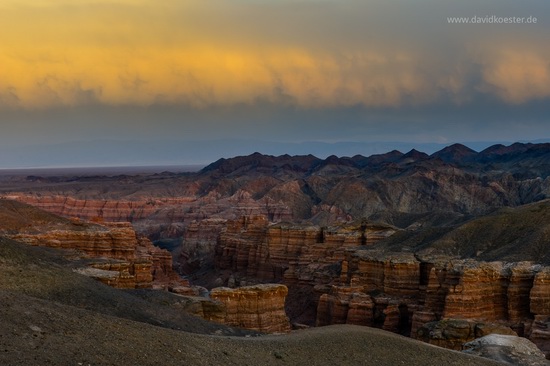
115	240
400	292
157	217
540	307
444	302
198	246
120	258
253	248
96	209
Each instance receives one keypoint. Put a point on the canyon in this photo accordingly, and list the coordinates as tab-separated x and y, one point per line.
444	248
115	255
350	280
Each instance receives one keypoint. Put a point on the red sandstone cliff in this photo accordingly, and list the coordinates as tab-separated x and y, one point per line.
106	210
400	293
259	307
301	256
157	216
252	247
125	260
540	307
120	257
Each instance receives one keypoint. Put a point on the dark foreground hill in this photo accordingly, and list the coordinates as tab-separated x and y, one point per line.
52	316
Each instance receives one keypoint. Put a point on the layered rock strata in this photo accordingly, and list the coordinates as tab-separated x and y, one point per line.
158	217
345	305
382	289
259	307
125	260
400	292
199	245
114	240
104	210
300	256
404	294
306	254
540	306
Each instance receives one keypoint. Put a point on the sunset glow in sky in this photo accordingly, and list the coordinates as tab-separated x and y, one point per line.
275	70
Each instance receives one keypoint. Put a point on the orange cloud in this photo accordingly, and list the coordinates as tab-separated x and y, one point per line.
140	52
519	75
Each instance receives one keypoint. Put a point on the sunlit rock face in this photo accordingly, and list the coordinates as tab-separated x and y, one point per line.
445	302
115	240
258	307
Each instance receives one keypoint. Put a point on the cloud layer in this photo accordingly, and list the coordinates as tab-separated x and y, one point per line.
308	54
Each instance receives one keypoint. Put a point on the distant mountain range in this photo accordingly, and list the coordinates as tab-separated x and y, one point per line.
521	157
177	152
392	187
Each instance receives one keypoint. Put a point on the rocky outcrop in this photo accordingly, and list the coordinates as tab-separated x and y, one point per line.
400	292
117	255
138	265
125	275
240	245
300	256
345	305
395	274
480	292
507	349
259	307
453	333
519	292
115	240
384	289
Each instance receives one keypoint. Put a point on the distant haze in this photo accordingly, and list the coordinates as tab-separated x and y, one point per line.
139	82
191	155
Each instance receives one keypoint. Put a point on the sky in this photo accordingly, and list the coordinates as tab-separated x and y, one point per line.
184	81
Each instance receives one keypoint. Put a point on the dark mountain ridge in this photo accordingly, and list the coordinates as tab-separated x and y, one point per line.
494	157
454	179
